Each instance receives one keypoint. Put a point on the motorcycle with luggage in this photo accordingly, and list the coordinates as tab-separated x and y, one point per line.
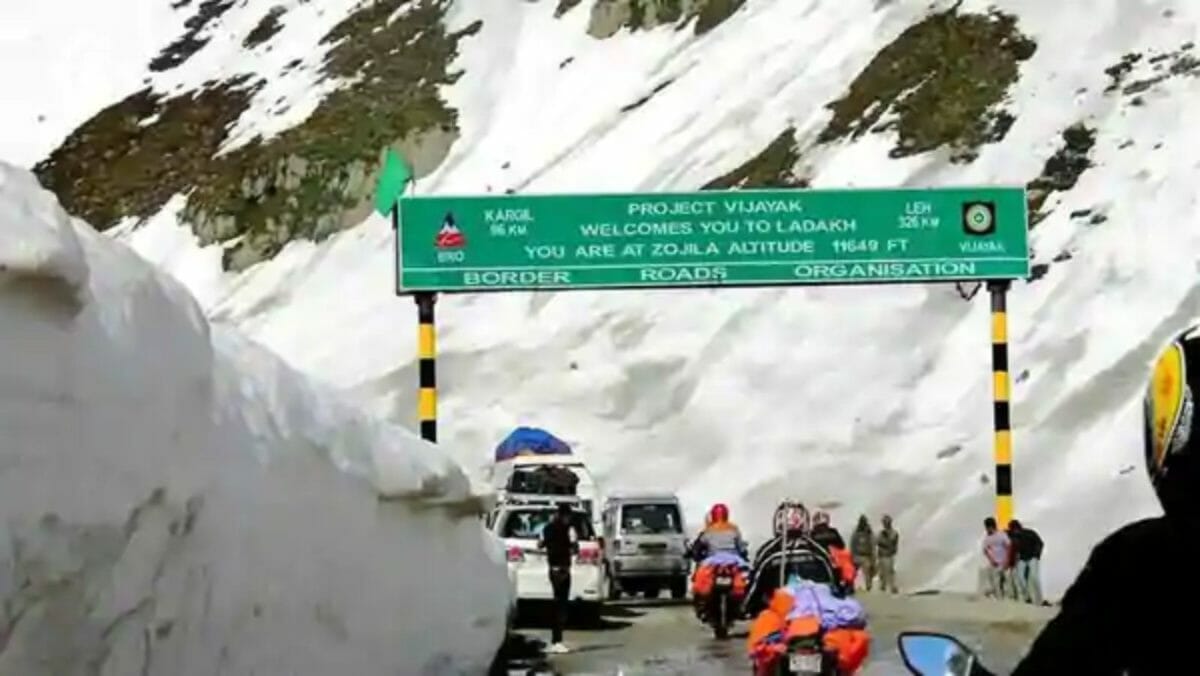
722	603
805	621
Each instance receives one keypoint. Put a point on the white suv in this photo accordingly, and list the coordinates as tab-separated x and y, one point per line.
645	545
519	525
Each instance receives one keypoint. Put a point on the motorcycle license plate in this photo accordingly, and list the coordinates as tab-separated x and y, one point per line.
724	580
805	663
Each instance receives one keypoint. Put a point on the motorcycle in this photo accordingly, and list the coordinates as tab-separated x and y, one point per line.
721	604
806	656
929	654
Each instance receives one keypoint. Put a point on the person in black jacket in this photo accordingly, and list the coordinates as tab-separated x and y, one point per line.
1027	556
561	543
824	532
1113	620
792	550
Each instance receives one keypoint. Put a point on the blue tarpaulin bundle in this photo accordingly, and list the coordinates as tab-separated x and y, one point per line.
530	441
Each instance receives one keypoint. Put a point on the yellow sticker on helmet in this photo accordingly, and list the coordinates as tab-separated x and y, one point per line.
1166	399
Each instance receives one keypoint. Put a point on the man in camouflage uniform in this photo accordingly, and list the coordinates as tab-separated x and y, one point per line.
862	548
887	543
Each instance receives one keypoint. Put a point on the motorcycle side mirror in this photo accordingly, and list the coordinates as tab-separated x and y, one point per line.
930	654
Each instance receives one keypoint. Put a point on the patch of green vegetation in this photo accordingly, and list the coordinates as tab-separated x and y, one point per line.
1062	170
565	6
711	13
669	11
637	14
609	16
940	84
190	42
131	157
774	167
266	29
1119	70
1162	66
307	182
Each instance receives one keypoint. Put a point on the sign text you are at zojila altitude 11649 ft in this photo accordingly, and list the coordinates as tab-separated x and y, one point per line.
734	238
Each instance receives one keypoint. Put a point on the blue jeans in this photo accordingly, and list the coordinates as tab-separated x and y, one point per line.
1027	576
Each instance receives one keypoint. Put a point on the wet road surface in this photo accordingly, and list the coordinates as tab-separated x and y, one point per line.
658	638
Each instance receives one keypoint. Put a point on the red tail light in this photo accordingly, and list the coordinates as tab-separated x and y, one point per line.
588	556
515	555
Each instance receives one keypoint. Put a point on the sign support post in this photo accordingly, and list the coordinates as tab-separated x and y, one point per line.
426	355
426	366
1001	410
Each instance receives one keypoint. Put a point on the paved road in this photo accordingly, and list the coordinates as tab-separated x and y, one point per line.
664	638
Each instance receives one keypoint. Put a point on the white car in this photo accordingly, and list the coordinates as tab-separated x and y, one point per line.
519	525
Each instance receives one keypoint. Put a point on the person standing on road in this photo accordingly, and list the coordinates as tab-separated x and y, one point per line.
996	550
1027	545
862	548
824	532
887	544
561	543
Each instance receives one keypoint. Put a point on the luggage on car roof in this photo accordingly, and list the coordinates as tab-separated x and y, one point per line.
544	480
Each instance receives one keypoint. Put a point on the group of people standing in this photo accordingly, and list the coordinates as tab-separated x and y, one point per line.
1013	562
875	553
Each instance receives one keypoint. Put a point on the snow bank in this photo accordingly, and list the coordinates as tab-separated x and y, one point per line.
168	498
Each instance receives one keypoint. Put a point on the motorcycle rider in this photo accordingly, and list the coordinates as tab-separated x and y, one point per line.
793	549
1109	621
824	532
828	537
720	536
795	555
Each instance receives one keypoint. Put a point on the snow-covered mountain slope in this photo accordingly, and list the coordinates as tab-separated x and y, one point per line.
870	399
171	497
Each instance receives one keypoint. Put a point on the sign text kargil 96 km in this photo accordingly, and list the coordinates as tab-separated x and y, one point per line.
743	238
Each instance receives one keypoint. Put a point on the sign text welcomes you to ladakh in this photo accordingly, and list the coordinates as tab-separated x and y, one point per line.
734	238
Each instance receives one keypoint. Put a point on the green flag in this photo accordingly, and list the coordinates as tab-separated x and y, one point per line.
392	179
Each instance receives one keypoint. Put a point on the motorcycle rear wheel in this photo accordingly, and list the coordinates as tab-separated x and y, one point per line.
720	619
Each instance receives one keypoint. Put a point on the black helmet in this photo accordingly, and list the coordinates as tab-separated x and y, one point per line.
1172	453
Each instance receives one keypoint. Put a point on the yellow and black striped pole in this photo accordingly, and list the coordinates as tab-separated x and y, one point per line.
1002	412
426	366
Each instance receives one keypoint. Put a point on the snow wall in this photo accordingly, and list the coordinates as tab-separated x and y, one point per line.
170	494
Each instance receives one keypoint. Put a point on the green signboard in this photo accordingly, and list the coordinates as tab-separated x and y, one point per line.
733	238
